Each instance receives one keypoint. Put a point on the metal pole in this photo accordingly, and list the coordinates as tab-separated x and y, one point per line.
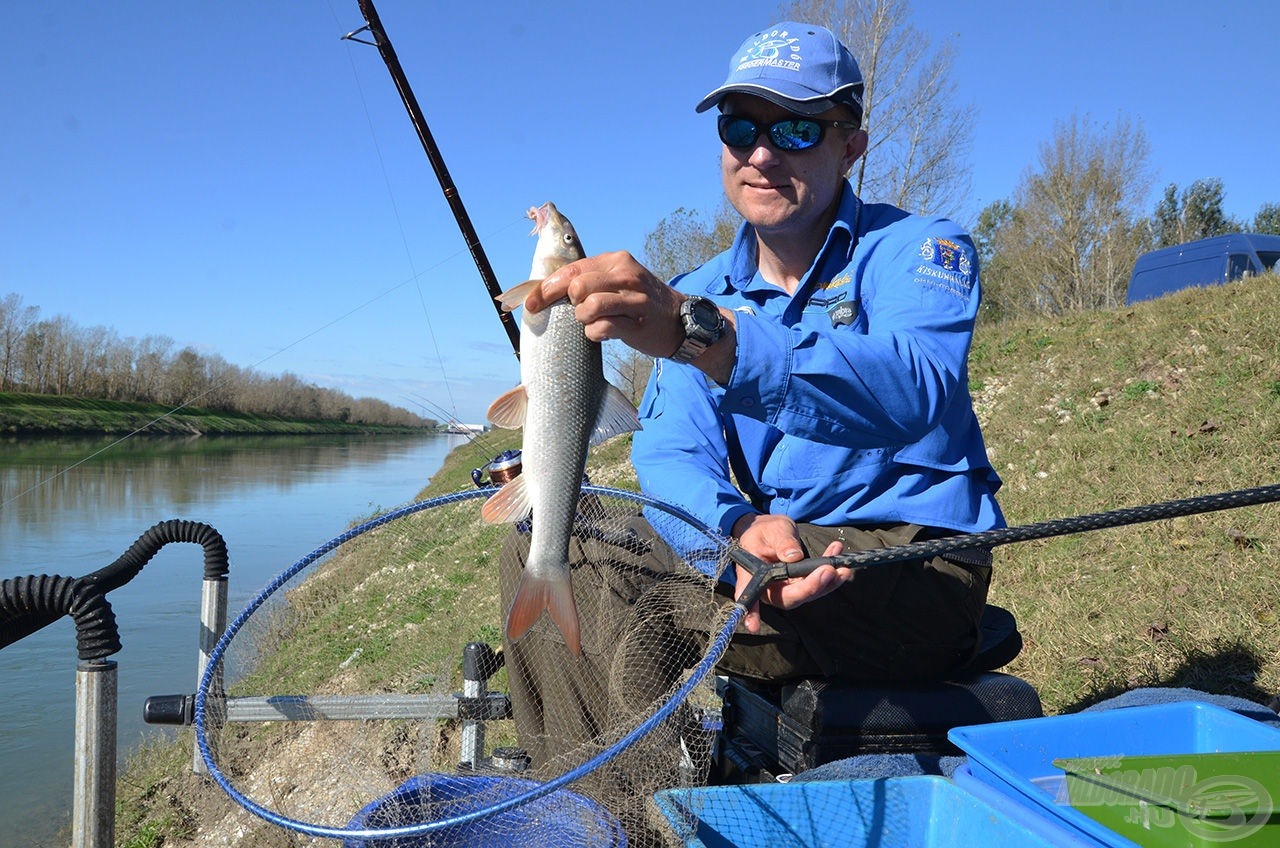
380	40
474	687
213	621
94	800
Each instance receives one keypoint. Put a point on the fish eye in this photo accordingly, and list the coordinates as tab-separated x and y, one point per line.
568	238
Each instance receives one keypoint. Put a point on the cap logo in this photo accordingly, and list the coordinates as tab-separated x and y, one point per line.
772	49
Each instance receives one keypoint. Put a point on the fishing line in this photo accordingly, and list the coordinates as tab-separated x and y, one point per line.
395	211
216	386
414	278
473	438
399	221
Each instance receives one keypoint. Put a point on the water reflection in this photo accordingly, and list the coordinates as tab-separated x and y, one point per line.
69	507
36	476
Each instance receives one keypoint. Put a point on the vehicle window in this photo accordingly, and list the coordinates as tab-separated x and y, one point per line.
1269	258
1237	266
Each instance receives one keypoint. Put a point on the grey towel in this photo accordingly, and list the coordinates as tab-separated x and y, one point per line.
1141	697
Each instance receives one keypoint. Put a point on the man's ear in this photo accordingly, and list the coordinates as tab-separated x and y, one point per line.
855	146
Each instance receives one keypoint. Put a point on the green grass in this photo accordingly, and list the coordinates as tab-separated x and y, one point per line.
24	414
1163	400
1084	413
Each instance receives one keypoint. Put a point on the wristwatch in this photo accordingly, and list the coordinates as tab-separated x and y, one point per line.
703	327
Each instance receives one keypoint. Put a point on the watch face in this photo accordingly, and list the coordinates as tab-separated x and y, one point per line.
706	314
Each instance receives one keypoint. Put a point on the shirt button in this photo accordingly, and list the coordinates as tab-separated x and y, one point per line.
747	403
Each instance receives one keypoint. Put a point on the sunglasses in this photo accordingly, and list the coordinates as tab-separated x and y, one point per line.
788	134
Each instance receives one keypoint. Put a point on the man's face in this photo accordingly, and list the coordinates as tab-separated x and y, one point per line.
780	191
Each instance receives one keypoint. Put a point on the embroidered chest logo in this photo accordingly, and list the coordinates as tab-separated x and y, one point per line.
773	49
826	294
947	265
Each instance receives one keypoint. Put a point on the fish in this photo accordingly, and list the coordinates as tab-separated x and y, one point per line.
565	405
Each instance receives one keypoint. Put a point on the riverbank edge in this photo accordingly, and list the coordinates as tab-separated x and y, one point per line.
52	415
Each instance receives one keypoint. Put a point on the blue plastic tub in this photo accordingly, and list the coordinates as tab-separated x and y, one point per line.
561	817
1016	757
1031	816
900	812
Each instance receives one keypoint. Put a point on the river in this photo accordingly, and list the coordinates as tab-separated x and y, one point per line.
65	510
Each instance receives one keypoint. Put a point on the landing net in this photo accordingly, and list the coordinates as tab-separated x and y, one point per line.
334	706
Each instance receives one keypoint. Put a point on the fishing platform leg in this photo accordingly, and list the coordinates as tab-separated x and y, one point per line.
94	802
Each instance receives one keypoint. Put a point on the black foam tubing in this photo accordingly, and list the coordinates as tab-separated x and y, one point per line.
30	603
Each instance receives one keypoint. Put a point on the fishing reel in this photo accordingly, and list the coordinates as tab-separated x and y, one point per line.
502	469
591	518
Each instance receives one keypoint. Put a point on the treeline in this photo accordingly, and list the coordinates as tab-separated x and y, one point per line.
54	356
1067	238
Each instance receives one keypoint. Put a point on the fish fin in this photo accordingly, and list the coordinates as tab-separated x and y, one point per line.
509	409
513	298
509	504
617	416
556	597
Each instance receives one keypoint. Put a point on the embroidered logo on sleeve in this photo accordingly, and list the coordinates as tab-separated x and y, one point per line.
947	266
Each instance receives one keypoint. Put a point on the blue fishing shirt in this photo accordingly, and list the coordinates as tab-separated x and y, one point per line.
849	402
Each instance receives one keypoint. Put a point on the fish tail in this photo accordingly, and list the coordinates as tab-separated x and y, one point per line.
556	597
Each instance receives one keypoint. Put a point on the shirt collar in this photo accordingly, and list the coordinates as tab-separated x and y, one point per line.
843	236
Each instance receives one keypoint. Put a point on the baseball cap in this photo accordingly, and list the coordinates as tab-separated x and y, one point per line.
800	67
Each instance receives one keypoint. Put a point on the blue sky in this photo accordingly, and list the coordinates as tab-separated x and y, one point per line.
234	176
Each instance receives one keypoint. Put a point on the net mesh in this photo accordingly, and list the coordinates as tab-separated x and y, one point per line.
346	714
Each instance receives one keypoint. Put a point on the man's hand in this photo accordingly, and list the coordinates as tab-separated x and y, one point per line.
774	538
615	297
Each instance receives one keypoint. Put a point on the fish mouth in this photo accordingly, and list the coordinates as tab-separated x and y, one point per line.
539	215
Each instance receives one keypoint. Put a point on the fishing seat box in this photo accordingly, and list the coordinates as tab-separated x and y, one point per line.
774	730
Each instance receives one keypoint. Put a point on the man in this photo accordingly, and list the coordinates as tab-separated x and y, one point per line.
821	363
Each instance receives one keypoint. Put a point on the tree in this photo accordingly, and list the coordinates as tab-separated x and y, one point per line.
57	357
1076	228
680	242
1268	219
629	368
186	379
1166	224
920	132
15	320
685	239
1195	214
991	220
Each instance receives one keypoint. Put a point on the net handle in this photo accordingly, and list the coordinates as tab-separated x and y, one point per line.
763	573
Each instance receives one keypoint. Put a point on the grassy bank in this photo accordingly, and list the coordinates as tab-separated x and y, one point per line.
1165	400
26	414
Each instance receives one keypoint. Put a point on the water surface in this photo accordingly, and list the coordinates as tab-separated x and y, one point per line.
65	510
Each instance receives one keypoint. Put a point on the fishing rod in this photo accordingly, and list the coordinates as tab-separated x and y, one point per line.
373	26
763	573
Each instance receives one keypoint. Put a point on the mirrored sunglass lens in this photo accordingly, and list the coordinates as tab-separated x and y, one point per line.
737	132
796	134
